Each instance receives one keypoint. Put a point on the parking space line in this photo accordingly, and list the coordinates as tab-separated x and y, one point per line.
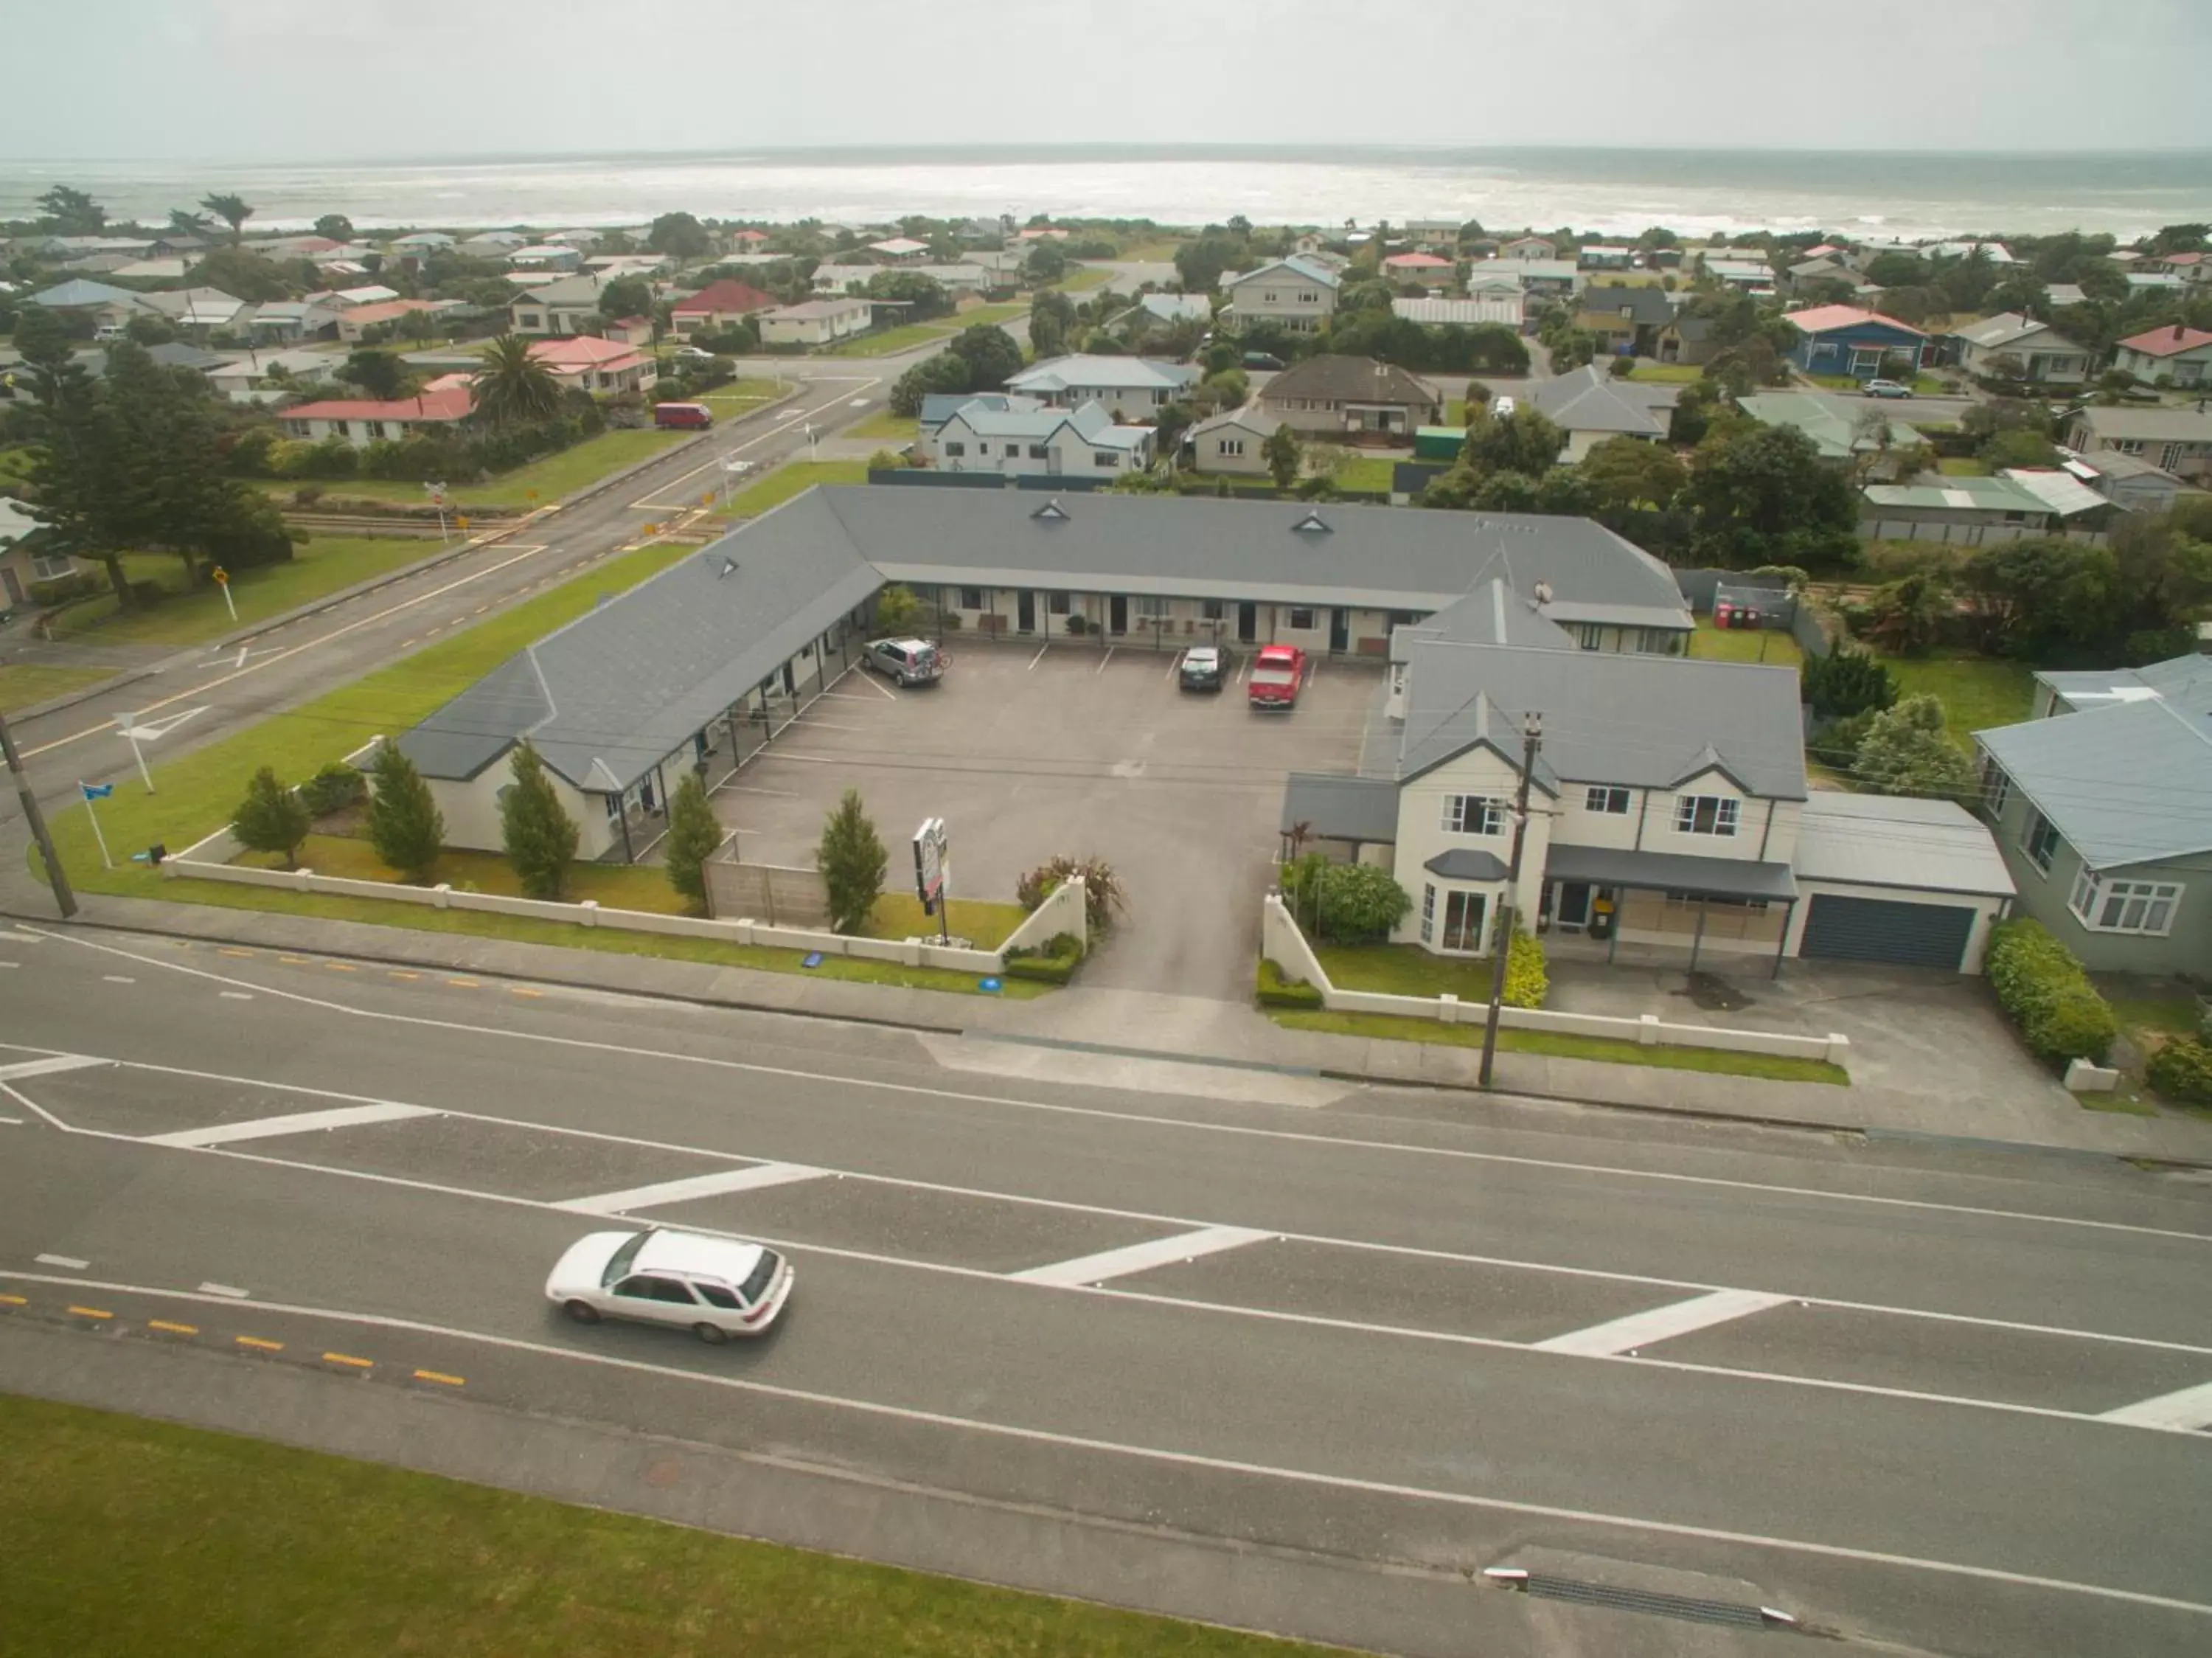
2188	1410
1039	657
297	1122
869	680
752	1178
48	1066
1641	1330
1106	658
1140	1258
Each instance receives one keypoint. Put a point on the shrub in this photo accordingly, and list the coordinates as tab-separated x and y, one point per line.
1358	903
1076	626
59	589
1101	887
1838	744
539	835
852	859
271	819
1846	682
2043	989
2181	1070
1274	990
333	789
1056	964
1527	979
694	834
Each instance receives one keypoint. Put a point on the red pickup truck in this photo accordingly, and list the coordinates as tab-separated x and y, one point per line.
1277	672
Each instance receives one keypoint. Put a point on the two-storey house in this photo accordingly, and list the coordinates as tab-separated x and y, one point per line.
1297	293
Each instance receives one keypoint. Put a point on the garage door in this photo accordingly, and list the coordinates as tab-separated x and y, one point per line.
1887	930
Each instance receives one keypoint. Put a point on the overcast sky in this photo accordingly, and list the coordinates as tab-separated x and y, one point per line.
277	81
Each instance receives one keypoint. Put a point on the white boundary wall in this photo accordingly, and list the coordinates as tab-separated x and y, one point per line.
1064	910
1283	944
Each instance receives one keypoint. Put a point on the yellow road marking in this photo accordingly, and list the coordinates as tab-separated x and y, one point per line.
523	990
173	1329
12	1300
339	966
347	1358
90	1312
227	950
298	961
395	973
439	1375
256	1342
465	984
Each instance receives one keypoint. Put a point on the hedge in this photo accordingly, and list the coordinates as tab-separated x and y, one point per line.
2182	1070
1276	991
1528	979
1055	965
2045	989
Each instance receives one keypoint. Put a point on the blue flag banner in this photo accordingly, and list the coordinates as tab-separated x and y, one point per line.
97	790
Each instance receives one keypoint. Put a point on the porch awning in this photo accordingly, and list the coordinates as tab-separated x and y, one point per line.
1339	806
1672	872
1467	863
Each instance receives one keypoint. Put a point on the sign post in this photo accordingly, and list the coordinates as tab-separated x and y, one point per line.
437	492
221	577
94	791
929	875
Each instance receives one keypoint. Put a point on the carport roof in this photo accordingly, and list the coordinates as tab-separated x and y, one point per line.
1336	807
1671	872
1893	840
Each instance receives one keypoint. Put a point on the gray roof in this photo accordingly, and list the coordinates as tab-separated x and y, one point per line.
624	685
1589	399
2154	425
78	291
1298	265
1246	415
563	290
2185	677
1467	863
1090	423
1831	422
2128	782
1672	872
1078	373
1334	376
1501	309
1492	614
938	407
1895	840
1646	306
2007	328
1176	307
1642	720
1334	806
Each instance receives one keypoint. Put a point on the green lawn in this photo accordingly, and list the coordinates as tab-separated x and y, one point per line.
25	684
977	316
138	1537
1363	472
1714	644
1962	466
1977	692
886	427
1456	412
1773	1068
984	924
1667	373
893	339
540	484
792	478
735	397
613	886
320	568
1089	276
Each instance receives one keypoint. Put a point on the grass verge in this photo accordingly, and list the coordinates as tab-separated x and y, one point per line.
1667	374
983	922
893	339
883	426
792	478
23	684
1713	644
124	1520
1773	1068
979	315
537	485
1366	472
315	572
1976	691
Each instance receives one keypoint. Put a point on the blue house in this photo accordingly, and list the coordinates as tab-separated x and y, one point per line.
1842	339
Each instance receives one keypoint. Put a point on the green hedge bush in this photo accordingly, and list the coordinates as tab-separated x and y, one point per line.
1528	979
1053	965
337	786
2042	985
1276	991
2182	1070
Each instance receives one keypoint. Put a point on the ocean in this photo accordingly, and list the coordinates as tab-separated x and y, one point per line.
1697	192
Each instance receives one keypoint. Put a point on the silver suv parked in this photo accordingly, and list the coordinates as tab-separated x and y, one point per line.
910	662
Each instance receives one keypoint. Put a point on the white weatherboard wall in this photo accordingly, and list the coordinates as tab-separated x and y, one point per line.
1283	944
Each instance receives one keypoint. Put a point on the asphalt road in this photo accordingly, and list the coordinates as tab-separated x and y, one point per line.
1872	1386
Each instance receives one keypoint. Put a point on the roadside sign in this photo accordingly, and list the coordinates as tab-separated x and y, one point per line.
97	790
460	523
220	576
929	863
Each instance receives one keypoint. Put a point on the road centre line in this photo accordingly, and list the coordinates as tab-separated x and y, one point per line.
1307	1136
1140	1258
1639	1329
300	1121
756	1178
61	1261
2188	1409
1185	1459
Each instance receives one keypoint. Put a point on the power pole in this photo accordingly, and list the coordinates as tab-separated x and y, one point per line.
1532	740
64	898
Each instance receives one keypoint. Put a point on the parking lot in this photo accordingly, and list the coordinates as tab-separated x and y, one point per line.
1029	753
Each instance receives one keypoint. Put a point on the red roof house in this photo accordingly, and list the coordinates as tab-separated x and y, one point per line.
596	365
2181	356
365	421
718	304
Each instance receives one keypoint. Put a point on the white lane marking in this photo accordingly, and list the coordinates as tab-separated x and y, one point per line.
12	1121
2188	1410
1642	1329
1179	1458
61	1261
10	964
116	978
755	1179
59	1062
1106	658
1140	1258
297	1122
1304	1137
1039	657
228	1292
869	680
755	788
236	996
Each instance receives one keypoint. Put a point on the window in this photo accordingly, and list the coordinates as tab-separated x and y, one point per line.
1105	460
1428	914
1473	815
1613	803
715	1295
531	320
1055	604
644	1287
1210	609
1300	618
1152	608
1997	791
971	597
2127	445
2040	841
1231	446
982	448
1269	298
1590	636
2125	906
2172	455
1706	814
956	449
1038	452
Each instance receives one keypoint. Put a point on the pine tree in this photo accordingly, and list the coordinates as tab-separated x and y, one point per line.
852	860
541	837
694	836
404	823
271	818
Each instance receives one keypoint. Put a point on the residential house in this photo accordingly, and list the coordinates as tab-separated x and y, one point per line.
1298	293
290	321
104	265
153	269
2178	356
1332	395
748	241
1626	320
2103	809
1968	511
356	322
564	306
294	247
2159	282
960	281
1529	248
1603	256
1127	385
1590	405
2178	441
938	407
1733	269
611	265
363	422
2074	507
1166	310
1433	236
1234	441
1995	252
1047	442
198	309
1494	308
630	331
108	306
1418	267
547	256
900	250
266	376
1685	337
1842	339
423	241
604	367
1842	428
375	293
2010	346
1549	277
493	244
2127	481
2063	294
817	322
721	304
1824	268
25	555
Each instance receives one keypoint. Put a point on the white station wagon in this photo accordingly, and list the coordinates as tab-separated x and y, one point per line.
716	1288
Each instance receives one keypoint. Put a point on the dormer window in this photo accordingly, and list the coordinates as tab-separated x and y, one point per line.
1312	523
1051	512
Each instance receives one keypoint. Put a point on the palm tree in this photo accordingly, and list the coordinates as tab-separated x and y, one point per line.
232	210
183	221
514	388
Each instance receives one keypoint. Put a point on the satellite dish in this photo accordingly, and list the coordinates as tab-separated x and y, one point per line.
1543	593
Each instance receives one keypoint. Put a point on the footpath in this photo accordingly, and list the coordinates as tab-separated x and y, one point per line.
1085	1024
